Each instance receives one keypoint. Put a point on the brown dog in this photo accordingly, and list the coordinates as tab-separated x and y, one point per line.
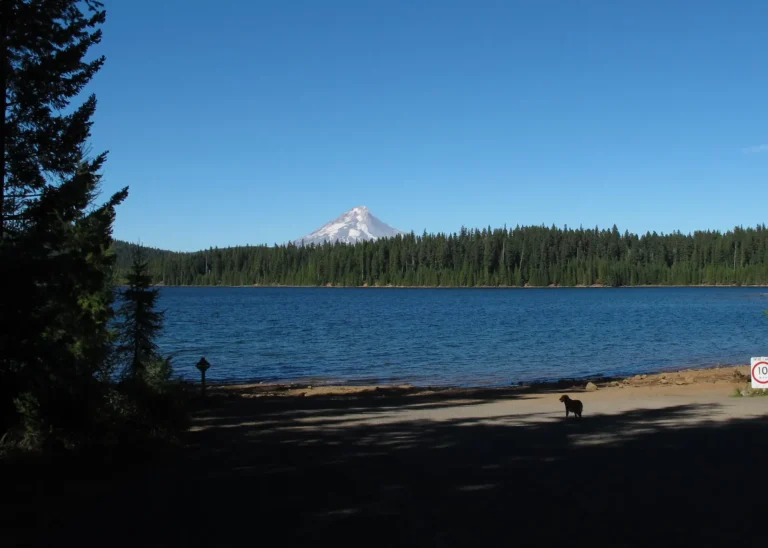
572	406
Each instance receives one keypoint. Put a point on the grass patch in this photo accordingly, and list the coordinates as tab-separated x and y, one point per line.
748	392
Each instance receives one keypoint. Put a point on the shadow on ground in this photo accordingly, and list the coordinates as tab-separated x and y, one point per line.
260	474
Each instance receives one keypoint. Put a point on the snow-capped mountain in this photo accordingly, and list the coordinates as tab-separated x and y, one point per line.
356	225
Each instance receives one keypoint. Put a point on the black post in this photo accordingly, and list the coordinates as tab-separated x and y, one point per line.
203	366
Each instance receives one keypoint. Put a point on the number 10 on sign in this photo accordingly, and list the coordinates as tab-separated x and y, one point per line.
760	373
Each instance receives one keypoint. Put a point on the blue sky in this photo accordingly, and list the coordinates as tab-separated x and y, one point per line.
239	122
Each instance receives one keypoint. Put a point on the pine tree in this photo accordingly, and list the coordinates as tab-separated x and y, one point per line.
54	244
140	322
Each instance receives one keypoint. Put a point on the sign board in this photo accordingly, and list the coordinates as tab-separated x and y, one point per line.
203	365
760	373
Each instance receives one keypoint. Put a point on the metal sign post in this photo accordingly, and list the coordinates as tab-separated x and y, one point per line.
203	366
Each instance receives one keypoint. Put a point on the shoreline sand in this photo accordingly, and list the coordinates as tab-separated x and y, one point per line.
693	379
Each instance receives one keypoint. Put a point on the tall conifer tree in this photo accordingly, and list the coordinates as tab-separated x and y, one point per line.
54	241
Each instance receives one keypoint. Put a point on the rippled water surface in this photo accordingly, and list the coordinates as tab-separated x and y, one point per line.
457	336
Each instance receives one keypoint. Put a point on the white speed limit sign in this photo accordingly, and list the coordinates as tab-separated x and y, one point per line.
760	373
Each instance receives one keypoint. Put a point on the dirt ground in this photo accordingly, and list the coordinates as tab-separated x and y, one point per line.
658	459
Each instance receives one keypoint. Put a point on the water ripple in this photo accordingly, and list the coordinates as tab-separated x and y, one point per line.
457	337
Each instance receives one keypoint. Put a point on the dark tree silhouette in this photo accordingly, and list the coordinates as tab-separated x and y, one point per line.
140	322
54	242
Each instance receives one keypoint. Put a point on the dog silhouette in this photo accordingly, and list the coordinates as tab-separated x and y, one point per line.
572	406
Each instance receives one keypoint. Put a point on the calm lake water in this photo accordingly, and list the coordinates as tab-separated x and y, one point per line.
458	336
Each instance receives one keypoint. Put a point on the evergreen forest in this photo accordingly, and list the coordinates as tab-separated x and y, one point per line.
522	256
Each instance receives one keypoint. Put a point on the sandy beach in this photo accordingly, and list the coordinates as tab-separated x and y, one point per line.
610	394
718	388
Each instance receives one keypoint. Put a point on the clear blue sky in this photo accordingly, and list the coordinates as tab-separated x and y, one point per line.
238	122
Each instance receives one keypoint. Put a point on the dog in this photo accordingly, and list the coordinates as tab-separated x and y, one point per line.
572	406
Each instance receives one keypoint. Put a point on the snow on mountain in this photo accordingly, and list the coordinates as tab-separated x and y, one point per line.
356	225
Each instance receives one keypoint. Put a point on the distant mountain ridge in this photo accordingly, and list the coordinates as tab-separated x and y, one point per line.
356	225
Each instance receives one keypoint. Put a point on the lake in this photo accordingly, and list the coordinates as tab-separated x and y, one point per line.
465	337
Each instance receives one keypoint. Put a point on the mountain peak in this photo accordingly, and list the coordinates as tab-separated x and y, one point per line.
356	225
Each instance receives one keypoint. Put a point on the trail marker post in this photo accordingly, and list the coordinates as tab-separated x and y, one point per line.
203	366
759	373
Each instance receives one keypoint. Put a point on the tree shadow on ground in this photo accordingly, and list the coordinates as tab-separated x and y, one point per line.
365	400
677	474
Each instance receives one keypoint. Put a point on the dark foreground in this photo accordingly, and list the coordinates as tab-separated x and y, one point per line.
262	476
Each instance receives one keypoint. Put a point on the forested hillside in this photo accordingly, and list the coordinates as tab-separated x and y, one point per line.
536	256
